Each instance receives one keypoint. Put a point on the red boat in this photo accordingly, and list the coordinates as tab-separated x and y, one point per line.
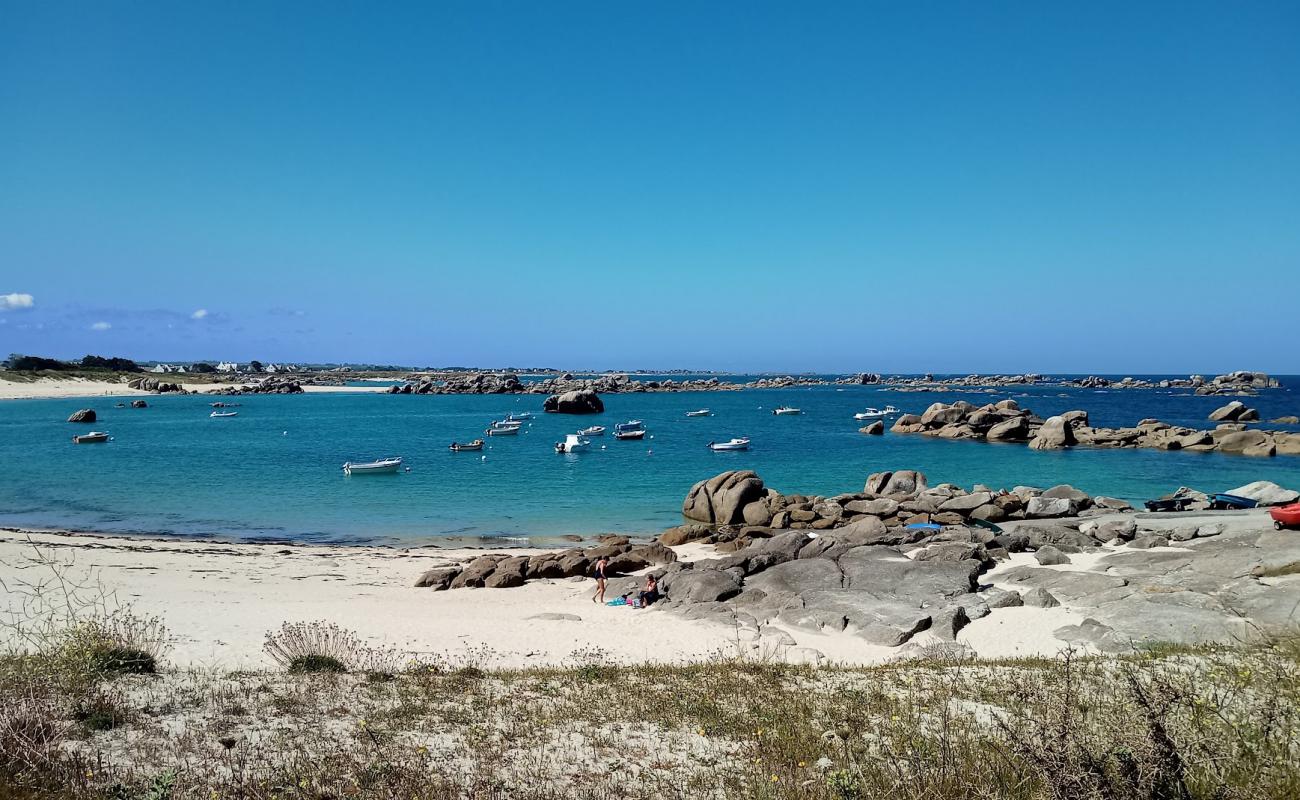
1286	516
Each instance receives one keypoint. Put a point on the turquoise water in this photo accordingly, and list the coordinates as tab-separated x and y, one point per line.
273	471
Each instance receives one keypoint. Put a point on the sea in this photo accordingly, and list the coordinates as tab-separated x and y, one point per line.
273	473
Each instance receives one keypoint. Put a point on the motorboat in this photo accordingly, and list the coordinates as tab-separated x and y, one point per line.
505	430
786	411
1285	516
94	437
630	425
703	412
594	430
222	414
381	467
459	447
624	436
741	443
507	423
573	443
522	416
871	413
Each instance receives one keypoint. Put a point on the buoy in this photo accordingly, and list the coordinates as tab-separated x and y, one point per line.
286	433
650	452
408	469
482	458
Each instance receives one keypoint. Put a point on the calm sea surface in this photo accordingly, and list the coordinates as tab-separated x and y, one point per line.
273	472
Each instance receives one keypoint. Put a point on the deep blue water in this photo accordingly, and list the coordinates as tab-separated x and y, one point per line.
273	471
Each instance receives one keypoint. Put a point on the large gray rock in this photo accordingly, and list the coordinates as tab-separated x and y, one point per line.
1015	429
1051	556
1046	507
1040	598
964	504
888	574
438	578
721	500
902	482
1080	499
579	401
1266	493
703	586
1236	411
84	415
1056	433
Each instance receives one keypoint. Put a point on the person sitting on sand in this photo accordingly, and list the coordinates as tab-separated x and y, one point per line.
651	592
601	566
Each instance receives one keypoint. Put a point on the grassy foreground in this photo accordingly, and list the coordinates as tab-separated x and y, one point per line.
88	717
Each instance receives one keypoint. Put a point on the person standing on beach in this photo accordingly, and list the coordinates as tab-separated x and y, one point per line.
601	566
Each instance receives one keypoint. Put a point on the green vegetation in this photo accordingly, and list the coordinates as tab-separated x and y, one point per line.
1205	722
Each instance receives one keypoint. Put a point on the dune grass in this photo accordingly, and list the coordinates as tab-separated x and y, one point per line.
1207	722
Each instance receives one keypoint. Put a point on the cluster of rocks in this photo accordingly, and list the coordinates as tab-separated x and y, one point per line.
155	385
1236	382
889	500
1236	411
461	383
1005	421
499	571
862	573
265	386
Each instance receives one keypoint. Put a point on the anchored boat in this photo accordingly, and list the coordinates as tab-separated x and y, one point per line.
703	412
380	467
630	425
594	430
741	443
220	414
573	443
633	435
94	437
457	447
786	411
503	430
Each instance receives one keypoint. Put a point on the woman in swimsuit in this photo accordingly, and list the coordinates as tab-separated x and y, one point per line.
651	592
601	566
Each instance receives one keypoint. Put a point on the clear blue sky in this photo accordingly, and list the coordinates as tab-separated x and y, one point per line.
1108	187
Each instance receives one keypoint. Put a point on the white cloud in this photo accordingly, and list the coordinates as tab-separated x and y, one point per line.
100	326
200	314
15	301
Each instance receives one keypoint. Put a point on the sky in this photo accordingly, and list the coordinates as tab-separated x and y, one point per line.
1105	187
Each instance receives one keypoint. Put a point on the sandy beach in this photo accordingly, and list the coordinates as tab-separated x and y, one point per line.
220	599
46	389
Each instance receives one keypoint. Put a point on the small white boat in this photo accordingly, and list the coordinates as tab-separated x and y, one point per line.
787	410
871	413
506	423
594	430
461	447
94	437
630	425
630	435
507	430
703	412
573	443
522	416
741	443
220	414
380	467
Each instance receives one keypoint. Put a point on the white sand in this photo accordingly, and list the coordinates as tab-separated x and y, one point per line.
220	599
47	388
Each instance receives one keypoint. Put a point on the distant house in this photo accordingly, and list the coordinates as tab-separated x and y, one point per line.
166	368
281	368
227	366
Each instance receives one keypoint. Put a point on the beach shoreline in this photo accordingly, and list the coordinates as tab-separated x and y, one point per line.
56	389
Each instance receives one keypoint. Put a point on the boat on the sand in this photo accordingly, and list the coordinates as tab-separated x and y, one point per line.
594	430
573	443
1171	504
94	437
461	447
382	466
1224	501
1285	516
739	443
630	435
784	411
703	412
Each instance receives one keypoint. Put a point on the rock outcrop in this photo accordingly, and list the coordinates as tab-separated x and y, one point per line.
581	401
1236	411
84	415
